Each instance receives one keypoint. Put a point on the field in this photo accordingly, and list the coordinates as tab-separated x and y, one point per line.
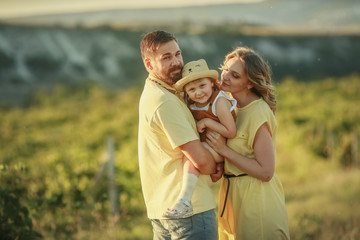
58	180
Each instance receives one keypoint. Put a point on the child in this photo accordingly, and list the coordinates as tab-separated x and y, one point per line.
212	109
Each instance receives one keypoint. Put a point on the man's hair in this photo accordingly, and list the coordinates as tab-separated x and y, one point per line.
152	40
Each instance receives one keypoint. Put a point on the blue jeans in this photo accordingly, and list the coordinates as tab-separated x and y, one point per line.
197	227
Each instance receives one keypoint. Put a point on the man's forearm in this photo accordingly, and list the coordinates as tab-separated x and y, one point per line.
199	156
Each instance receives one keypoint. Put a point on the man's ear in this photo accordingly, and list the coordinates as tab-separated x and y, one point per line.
148	63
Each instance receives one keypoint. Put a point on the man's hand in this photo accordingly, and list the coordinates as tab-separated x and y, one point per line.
219	172
200	125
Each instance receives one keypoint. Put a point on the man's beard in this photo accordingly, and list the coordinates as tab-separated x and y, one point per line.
176	77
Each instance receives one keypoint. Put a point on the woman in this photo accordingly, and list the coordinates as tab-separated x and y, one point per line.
252	204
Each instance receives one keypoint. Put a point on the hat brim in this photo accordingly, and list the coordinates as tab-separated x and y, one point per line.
179	85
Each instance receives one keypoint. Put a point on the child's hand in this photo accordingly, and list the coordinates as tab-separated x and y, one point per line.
200	125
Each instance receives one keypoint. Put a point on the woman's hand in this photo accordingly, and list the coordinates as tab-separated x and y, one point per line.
216	141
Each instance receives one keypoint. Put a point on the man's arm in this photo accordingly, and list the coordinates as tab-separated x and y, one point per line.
199	156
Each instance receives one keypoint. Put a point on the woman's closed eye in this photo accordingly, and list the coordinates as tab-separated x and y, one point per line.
235	75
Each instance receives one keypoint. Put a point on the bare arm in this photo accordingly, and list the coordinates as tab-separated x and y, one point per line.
262	167
199	156
226	127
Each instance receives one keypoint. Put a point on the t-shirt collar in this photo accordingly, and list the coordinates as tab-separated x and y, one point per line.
161	83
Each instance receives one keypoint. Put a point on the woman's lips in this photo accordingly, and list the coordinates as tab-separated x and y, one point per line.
224	85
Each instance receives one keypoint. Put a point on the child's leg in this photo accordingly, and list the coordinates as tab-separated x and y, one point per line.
189	167
182	206
190	178
218	158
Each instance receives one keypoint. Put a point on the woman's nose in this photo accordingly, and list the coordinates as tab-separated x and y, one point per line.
223	74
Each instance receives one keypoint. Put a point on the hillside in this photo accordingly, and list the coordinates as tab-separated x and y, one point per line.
33	56
306	39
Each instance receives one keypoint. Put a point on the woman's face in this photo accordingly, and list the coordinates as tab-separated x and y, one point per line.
200	91
233	77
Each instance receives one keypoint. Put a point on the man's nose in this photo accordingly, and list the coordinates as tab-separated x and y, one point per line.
175	62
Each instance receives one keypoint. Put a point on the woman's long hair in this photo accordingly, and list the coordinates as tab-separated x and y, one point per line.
258	72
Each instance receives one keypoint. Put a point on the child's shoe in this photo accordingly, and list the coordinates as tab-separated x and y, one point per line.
182	209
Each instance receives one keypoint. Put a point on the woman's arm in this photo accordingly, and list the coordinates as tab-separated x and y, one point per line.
226	127
262	167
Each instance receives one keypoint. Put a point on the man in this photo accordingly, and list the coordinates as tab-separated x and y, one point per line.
167	130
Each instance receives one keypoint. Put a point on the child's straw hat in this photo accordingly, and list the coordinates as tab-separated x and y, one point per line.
193	71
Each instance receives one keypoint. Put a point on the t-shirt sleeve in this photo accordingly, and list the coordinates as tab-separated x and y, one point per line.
260	117
177	123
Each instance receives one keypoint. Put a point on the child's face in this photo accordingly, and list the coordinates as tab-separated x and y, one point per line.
200	90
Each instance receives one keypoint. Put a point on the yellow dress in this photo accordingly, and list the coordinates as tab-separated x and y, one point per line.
254	209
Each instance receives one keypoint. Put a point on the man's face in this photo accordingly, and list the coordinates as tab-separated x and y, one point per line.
166	62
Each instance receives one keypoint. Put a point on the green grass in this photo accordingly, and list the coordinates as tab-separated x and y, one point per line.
54	146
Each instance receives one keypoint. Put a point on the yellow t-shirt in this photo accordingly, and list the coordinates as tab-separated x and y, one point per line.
248	121
165	123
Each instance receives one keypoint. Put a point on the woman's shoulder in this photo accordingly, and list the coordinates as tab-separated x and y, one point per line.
259	110
258	114
265	107
260	104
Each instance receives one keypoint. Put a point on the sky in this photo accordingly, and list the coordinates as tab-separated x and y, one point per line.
18	8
